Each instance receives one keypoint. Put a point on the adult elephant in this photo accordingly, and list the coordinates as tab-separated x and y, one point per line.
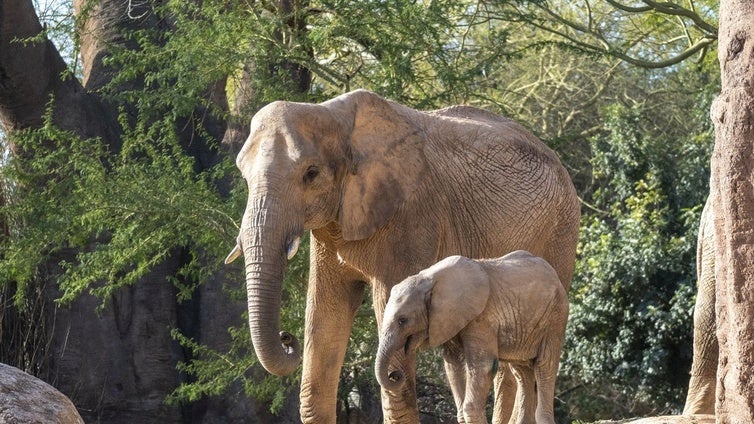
700	398
386	191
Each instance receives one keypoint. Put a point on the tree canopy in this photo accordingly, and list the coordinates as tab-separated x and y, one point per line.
118	160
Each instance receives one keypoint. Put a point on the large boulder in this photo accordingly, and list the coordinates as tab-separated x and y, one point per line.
25	399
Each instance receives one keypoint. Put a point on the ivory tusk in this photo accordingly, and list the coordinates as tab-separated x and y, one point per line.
293	248
233	255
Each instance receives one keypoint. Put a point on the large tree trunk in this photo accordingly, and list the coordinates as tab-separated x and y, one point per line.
733	202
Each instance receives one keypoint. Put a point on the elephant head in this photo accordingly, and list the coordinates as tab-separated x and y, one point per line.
427	310
350	161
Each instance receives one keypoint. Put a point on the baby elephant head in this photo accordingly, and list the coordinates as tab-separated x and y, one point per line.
426	310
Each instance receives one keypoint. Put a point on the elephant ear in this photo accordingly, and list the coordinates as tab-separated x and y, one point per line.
459	295
385	146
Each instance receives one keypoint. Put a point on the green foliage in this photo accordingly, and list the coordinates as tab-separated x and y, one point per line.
107	219
633	292
427	54
423	54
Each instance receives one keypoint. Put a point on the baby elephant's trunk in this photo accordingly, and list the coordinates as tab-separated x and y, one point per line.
389	368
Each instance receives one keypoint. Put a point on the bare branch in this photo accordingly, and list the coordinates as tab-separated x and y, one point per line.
676	10
629	9
592	39
697	47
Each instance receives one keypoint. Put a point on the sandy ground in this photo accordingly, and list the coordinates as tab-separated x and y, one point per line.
668	419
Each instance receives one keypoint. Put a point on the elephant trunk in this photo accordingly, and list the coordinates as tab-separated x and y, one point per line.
390	365
265	259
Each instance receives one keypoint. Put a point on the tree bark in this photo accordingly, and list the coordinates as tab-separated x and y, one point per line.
732	185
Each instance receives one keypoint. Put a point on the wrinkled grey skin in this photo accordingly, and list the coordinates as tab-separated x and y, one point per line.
512	309
700	398
386	191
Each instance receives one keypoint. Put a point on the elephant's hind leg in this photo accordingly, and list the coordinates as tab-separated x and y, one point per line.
505	395
526	396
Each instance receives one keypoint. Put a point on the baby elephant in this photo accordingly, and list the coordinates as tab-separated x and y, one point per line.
512	309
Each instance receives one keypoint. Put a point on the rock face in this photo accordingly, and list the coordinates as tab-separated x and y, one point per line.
29	400
118	364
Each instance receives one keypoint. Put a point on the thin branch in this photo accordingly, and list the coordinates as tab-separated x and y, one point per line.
629	9
592	207
701	44
676	10
589	14
686	31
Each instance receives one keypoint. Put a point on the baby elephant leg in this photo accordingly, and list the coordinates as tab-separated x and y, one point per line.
526	396
479	375
505	389
545	372
455	369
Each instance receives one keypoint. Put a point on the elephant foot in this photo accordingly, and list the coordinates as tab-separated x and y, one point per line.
701	396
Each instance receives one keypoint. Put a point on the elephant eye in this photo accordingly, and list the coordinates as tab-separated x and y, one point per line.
310	174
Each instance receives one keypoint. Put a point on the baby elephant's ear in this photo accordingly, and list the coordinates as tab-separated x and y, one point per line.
459	295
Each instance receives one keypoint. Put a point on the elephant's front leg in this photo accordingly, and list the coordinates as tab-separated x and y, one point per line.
480	370
334	296
455	369
700	398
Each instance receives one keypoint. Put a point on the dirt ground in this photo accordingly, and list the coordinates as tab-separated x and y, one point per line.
668	419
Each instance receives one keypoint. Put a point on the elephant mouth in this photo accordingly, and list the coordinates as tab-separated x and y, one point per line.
290	251
395	376
407	348
292	246
288	342
414	343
